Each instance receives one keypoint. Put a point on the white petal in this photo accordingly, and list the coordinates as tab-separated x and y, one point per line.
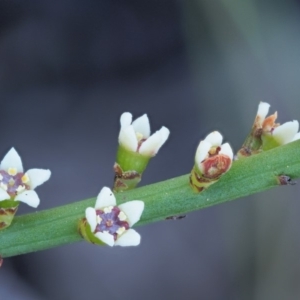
128	139
227	150
4	195
296	137
38	177
142	125
151	145
90	214
286	132
202	151
31	198
12	160
215	138
133	210
105	198
164	132
106	238
125	119
129	238
263	109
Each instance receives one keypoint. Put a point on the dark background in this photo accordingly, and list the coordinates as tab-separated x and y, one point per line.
68	69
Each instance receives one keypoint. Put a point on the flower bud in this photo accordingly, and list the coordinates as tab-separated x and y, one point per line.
274	134
136	147
212	160
266	134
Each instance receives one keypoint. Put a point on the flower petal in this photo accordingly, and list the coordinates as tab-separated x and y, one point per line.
164	132
263	109
30	197
142	125
296	137
286	132
227	150
4	195
38	177
128	139
12	160
125	119
105	198
133	210
151	146
105	237
91	216
129	238
215	138
202	151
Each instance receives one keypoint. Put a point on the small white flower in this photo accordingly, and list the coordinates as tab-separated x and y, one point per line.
111	223
284	133
135	136
212	158
15	184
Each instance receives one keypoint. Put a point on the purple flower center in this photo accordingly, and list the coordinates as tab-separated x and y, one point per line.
111	222
13	184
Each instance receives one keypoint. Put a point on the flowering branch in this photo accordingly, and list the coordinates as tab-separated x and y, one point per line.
58	226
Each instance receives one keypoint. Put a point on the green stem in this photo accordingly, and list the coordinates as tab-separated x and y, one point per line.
58	226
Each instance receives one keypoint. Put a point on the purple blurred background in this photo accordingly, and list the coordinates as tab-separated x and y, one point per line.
68	69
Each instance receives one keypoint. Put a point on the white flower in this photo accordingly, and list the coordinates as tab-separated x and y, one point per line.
17	185
111	223
135	136
284	133
212	158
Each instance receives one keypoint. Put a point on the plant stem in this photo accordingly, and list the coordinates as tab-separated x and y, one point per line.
58	226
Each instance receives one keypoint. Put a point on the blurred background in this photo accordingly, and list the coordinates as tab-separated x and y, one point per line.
68	69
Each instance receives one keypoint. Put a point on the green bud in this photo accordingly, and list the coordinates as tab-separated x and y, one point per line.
129	160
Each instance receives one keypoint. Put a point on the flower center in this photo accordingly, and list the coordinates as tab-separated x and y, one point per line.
112	220
13	182
214	150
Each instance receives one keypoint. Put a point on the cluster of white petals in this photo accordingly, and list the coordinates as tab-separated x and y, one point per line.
214	139
15	184
283	134
135	136
107	226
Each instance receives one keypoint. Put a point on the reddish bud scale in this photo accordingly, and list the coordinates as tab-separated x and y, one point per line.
125	180
6	216
209	171
214	166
